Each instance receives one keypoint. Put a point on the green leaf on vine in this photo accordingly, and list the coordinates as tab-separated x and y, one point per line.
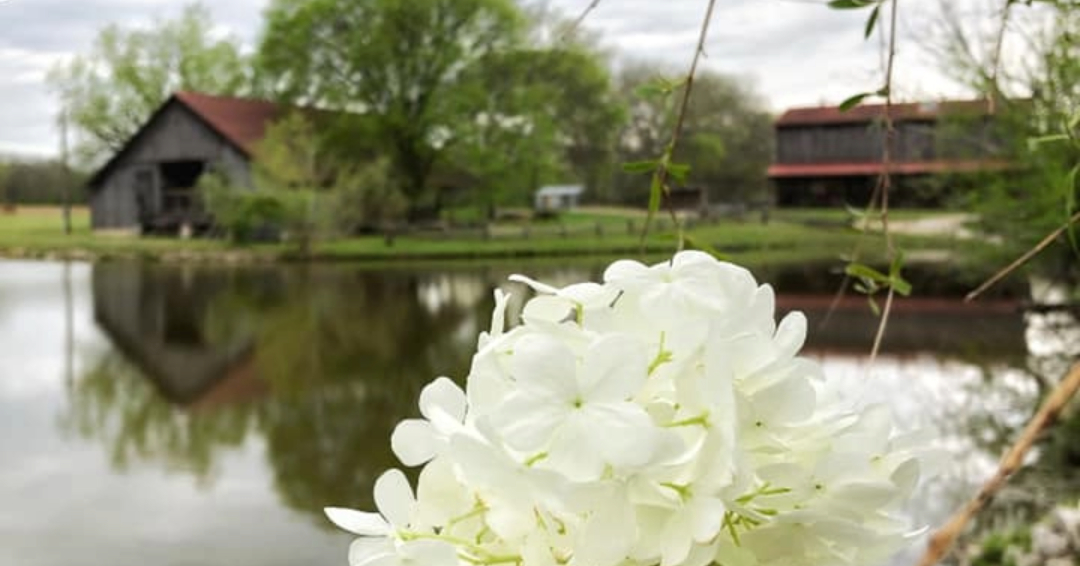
851	4
871	22
678	172
659	87
854	100
640	166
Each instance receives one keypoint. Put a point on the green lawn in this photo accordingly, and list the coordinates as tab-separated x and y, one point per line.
844	216
39	230
788	237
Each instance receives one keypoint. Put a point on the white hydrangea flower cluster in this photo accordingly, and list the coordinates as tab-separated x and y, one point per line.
660	418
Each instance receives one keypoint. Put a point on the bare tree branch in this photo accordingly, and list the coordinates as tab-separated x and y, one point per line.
945	537
1049	239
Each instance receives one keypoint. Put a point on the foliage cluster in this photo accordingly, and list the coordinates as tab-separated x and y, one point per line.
301	191
108	93
1036	124
39	182
478	101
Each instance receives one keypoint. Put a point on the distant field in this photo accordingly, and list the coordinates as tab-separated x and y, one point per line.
790	235
42	221
41	229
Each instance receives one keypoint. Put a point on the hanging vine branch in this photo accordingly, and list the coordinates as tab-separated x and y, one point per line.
868	280
573	27
665	168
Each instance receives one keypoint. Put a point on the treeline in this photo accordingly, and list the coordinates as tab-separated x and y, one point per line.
39	181
457	102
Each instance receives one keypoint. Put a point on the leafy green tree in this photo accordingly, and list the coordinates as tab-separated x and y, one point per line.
727	137
365	199
1035	124
525	133
303	188
109	92
401	62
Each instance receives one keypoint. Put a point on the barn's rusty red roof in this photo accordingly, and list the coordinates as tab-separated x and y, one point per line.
241	121
929	111
795	170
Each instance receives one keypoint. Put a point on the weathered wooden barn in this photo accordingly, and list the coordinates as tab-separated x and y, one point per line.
149	185
825	156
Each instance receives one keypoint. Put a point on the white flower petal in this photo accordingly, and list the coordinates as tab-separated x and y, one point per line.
732	555
622	433
676	542
701	555
367	549
791	400
429	553
358	522
790	335
688	258
527	422
537	550
589	295
607	536
574	451
761	311
544	365
498	314
443	398
394	497
614	368
548	309
439	494
625	271
534	284
389	558
414	442
707	514
906	475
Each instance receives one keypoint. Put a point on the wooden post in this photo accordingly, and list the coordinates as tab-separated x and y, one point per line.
67	170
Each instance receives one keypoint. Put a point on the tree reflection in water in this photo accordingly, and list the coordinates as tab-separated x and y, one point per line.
321	361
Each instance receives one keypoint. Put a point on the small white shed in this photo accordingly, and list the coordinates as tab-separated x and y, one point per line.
555	198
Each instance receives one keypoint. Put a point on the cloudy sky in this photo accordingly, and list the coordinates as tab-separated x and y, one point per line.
796	52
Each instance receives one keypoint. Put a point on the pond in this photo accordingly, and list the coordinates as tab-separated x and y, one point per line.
184	415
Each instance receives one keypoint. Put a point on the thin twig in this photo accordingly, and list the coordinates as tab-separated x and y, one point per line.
890	132
1049	239
885	180
880	193
943	539
580	19
999	45
662	172
698	52
880	335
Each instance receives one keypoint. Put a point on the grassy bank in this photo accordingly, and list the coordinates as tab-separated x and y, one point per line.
791	236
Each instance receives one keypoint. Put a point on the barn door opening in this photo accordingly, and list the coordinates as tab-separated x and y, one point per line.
178	180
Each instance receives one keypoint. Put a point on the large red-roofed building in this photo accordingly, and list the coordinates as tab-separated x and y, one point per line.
825	156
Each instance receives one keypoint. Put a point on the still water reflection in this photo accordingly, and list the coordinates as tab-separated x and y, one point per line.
193	415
